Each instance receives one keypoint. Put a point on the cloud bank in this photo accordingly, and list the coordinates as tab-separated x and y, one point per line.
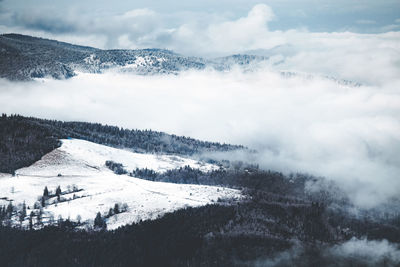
191	33
69	18
354	252
349	134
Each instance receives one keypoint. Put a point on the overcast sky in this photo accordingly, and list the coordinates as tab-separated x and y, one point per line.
170	23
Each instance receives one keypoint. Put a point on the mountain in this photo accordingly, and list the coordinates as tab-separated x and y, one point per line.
25	140
226	63
88	186
25	57
93	167
167	206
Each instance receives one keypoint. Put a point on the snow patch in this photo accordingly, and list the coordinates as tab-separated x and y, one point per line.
82	164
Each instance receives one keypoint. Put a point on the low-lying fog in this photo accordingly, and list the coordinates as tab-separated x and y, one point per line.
313	125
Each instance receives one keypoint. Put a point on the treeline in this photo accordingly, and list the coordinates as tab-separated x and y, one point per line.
244	176
238	175
169	241
276	191
238	234
25	140
22	143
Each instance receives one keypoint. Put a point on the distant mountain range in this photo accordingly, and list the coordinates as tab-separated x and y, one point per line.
25	57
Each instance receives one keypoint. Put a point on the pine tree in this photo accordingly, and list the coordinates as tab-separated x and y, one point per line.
110	212
23	213
30	220
2	213
46	192
58	192
99	222
116	208
9	210
39	217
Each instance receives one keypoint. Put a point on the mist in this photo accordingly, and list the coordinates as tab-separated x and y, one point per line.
354	252
304	124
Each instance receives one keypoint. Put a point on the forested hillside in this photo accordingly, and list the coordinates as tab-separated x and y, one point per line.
290	220
243	234
25	58
22	143
25	140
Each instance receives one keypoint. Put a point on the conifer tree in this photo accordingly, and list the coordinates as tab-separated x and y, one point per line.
99	222
116	208
45	192
22	213
58	192
31	220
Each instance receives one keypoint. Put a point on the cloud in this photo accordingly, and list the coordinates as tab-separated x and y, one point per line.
365	21
390	27
371	253
246	33
69	23
298	124
354	252
191	33
323	15
47	23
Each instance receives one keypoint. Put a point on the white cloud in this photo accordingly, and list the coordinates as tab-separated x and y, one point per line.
246	33
144	12
349	134
372	253
390	27
354	252
365	21
190	33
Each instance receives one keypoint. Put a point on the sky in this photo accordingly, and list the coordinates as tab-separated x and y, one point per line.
169	24
308	123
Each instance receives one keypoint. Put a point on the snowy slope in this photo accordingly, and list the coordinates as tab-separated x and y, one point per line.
82	157
82	166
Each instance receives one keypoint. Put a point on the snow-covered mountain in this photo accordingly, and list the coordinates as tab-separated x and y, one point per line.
88	186
25	57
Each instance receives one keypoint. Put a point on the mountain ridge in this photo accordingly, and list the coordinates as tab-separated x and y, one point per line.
25	57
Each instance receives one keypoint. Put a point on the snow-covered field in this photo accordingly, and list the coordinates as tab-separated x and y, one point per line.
79	164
